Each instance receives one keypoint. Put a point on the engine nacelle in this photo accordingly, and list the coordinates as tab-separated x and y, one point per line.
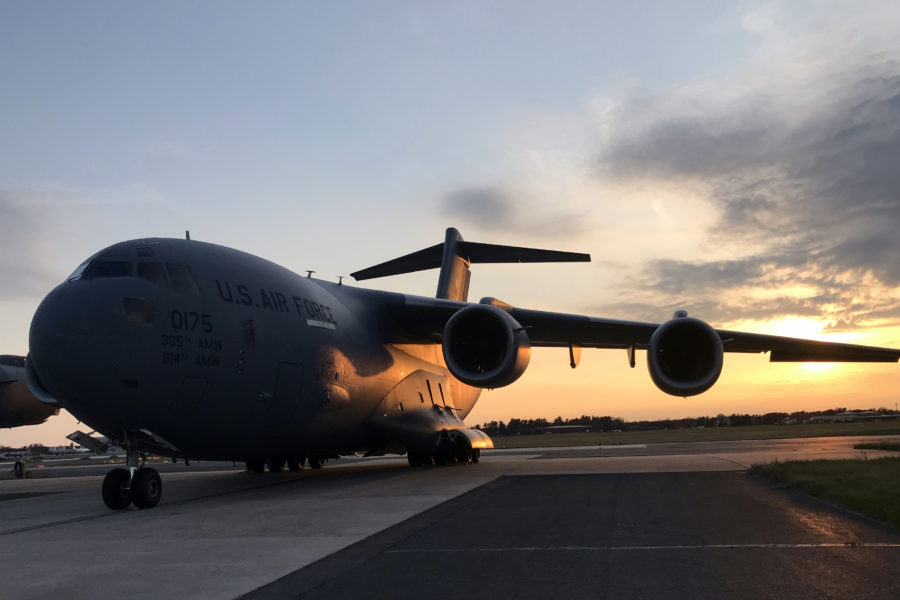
684	357
485	347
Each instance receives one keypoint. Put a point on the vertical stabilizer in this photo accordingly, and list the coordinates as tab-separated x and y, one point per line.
453	282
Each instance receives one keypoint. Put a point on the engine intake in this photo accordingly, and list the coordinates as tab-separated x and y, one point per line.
485	347
684	357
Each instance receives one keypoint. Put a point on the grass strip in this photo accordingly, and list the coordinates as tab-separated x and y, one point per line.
709	434
871	487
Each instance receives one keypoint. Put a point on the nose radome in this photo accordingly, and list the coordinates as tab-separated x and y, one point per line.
57	329
51	338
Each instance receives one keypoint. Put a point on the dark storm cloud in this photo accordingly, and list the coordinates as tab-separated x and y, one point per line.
485	205
494	209
816	186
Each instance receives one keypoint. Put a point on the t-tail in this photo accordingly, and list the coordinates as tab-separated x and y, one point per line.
455	256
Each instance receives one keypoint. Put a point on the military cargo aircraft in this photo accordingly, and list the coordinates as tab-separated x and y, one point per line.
17	406
197	351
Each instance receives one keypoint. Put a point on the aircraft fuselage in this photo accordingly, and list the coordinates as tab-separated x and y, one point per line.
214	353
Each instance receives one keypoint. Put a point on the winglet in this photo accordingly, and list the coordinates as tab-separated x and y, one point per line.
454	257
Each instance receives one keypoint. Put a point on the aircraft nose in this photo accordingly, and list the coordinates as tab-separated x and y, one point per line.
55	329
75	338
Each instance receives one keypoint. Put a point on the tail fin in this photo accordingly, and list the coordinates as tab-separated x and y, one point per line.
454	257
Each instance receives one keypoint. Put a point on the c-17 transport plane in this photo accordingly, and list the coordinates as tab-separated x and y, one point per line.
192	350
17	406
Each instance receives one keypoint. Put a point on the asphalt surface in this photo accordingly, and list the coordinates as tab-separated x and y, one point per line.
631	522
653	535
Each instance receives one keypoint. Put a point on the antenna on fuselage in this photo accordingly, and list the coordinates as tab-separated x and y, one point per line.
309	274
187	234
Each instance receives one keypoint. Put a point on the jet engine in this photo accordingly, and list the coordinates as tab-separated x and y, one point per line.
485	347
684	356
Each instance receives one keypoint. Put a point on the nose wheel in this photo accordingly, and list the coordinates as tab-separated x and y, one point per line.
146	488
121	488
116	489
138	484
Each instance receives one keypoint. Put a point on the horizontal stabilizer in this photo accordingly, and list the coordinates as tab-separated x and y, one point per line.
476	252
473	252
429	258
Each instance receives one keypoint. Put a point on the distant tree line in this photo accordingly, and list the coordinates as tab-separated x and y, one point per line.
607	423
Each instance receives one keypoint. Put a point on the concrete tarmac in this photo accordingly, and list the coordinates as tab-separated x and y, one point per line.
655	521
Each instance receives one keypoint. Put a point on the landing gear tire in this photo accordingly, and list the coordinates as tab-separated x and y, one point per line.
256	466
315	462
146	488
295	464
463	454
275	464
115	490
444	456
415	459
476	455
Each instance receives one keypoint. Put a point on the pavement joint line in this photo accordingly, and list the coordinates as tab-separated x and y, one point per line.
645	548
63	522
734	462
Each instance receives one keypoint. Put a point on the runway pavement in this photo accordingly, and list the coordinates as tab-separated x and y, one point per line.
673	521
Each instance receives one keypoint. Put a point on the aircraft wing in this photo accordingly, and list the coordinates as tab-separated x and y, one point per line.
11	368
428	316
555	329
18	406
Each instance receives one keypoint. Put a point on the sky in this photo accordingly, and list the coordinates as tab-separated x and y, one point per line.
737	160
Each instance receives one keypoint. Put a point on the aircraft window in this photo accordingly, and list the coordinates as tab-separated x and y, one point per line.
107	268
138	311
76	274
152	272
182	279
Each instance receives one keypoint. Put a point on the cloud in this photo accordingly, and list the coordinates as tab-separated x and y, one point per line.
495	209
47	230
24	266
801	165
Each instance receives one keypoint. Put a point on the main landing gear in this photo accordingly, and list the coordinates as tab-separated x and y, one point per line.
277	465
445	455
138	484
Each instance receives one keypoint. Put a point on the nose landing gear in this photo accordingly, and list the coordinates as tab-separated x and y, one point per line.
121	488
139	484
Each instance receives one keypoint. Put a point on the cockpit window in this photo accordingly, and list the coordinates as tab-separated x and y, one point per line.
107	268
182	279
152	272
77	273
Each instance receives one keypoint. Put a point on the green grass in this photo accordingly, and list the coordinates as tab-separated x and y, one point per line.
894	446
871	487
709	434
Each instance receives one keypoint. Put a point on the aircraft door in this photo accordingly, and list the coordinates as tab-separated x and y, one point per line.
285	397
